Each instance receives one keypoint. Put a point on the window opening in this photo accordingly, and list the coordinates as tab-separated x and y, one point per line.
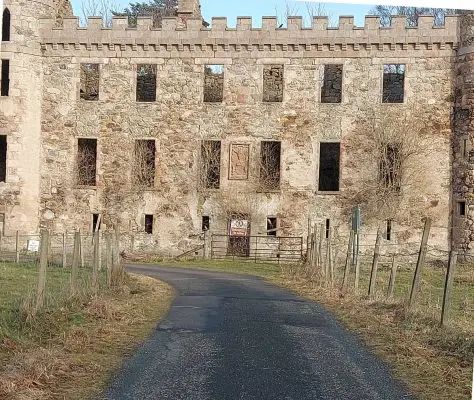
144	165
148	223
271	226
95	220
206	223
86	161
5	84
331	91
390	166
213	83
146	83
393	83
3	158
6	22
462	208
273	83
89	82
270	157
211	163
329	160
328	227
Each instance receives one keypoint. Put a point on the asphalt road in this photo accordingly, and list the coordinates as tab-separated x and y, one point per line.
239	338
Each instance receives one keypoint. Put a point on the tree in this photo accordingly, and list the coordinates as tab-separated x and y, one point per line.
412	13
98	8
310	10
157	9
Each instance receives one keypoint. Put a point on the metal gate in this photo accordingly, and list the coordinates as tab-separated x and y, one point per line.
258	248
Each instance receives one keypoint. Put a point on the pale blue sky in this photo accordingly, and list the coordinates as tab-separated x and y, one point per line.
258	8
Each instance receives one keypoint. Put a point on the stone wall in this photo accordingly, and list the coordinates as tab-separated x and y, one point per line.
290	62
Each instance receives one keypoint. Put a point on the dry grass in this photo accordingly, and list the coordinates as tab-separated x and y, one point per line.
85	343
435	362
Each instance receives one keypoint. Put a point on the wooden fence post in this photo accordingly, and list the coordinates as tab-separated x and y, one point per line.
348	260
64	250
320	249
17	247
95	262
314	248
448	285
81	249
420	262
329	258
393	274
99	254
75	262
375	264
44	249
108	257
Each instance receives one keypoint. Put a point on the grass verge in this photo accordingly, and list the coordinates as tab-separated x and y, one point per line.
71	349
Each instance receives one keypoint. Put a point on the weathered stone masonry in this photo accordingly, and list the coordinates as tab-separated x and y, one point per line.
45	116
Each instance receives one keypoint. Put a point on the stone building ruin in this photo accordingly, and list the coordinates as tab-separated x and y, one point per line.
167	131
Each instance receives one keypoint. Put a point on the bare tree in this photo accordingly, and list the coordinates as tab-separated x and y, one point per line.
310	10
157	9
86	168
412	14
144	164
98	8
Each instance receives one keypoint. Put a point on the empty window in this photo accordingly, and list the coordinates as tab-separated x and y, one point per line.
6	25
270	155
465	148
388	235
3	158
206	223
328	227
273	83
331	91
148	223
89	82
461	208
213	83
144	165
329	158
95	222
393	83
390	167
271	226
5	88
211	163
146	82
86	161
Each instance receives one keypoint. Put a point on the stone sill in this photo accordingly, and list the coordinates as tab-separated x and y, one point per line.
85	187
330	193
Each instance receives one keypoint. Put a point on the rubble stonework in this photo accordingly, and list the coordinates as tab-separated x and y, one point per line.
44	117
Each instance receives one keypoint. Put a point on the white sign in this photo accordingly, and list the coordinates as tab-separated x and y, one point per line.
33	245
456	4
238	227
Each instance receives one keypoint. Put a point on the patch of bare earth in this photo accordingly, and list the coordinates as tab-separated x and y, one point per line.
77	362
435	362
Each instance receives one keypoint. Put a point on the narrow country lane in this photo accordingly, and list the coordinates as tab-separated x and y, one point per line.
237	337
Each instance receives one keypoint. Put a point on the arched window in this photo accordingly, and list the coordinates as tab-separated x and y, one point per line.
6	25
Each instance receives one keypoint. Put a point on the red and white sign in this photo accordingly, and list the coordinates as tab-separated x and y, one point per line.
238	227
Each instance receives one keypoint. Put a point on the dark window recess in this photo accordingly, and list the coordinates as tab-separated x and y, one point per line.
329	158
2	224
146	82
211	163
328	227
462	208
89	82
390	167
144	165
389	230
393	83
270	156
5	87
213	83
206	223
331	91
273	83
3	158
6	21
271	226
95	220
148	223
86	161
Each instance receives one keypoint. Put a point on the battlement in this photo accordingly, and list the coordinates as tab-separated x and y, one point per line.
173	30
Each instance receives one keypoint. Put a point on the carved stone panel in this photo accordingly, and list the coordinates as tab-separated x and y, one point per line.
239	162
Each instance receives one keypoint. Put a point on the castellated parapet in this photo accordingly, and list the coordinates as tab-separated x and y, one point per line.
242	62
